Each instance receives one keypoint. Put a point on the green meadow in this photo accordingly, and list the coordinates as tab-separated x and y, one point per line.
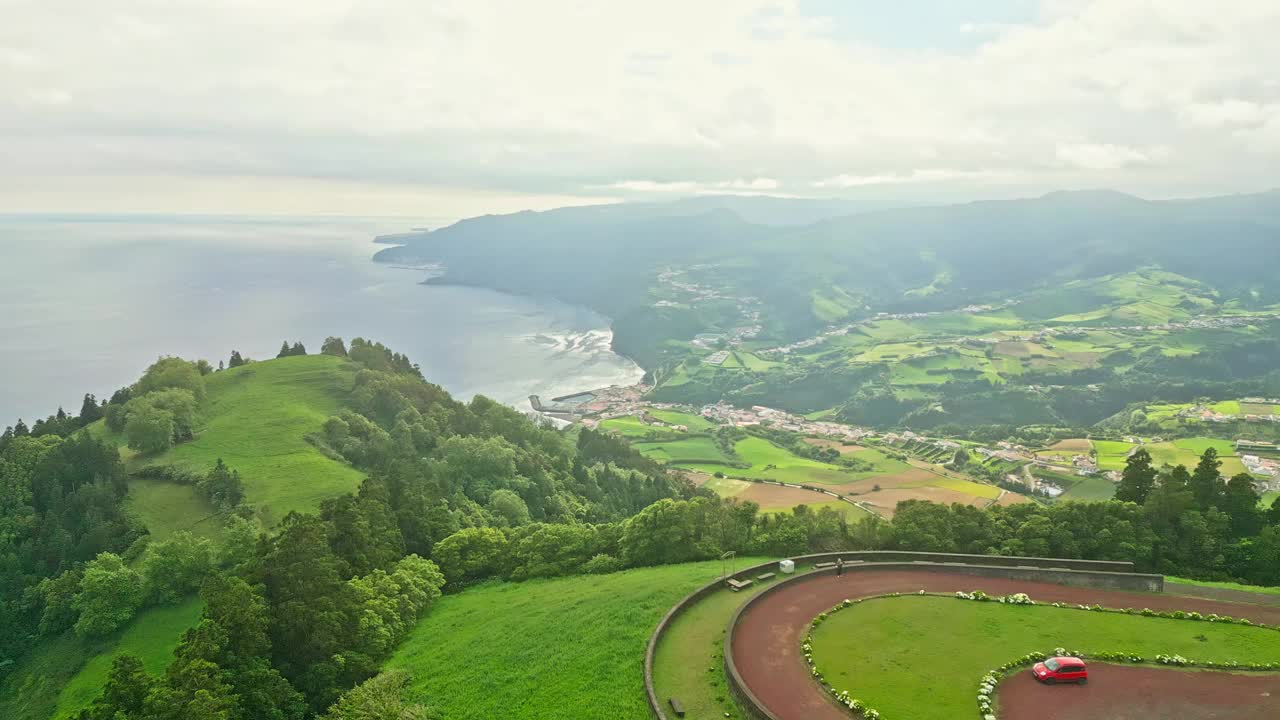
558	648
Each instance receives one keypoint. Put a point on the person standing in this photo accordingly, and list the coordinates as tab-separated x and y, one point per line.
839	567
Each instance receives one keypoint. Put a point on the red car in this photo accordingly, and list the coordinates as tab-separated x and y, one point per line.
1061	669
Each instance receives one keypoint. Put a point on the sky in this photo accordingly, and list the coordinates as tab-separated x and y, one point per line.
453	108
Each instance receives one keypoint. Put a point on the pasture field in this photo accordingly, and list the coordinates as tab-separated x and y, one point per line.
1263	589
1188	451
256	418
921	657
1090	489
64	674
166	508
1111	454
694	449
629	426
695	423
566	647
770	462
152	637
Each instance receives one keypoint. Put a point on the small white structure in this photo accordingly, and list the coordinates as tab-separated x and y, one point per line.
786	567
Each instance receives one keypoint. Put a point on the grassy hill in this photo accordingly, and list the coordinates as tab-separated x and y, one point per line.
66	673
570	647
256	419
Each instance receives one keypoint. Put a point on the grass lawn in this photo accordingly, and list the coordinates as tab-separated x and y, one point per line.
921	657
690	450
256	419
1268	498
629	426
152	636
695	423
563	648
63	674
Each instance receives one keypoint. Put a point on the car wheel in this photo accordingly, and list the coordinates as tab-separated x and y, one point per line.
1082	681
1049	681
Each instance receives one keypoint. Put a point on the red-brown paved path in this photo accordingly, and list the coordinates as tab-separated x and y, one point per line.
766	642
1119	692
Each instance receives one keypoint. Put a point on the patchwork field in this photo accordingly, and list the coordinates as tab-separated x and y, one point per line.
1111	454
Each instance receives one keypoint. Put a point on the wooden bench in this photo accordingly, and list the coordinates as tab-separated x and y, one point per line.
824	566
738	584
676	707
766	576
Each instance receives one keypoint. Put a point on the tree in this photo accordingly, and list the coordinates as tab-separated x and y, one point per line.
172	372
284	349
1138	479
89	410
297	349
236	360
472	554
1240	503
175	567
110	594
57	596
149	429
21	429
223	487
1206	481
333	346
509	507
381	697
124	697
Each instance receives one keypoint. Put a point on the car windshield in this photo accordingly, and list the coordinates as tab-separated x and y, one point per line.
1052	664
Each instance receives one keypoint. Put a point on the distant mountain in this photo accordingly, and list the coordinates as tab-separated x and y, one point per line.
609	257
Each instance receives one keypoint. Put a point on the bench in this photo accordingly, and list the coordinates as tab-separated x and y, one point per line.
766	576
824	566
738	584
676	707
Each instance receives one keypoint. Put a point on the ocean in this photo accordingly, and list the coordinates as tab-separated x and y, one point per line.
87	302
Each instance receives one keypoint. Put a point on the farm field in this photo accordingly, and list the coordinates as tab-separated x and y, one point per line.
1188	451
700	450
568	647
921	657
695	423
1112	454
630	426
165	508
1090	489
64	674
882	488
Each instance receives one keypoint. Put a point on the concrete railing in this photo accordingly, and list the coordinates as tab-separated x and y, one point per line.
868	558
1053	571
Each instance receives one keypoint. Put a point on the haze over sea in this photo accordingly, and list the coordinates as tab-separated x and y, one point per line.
86	303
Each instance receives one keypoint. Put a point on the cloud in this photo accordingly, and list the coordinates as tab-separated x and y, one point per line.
568	99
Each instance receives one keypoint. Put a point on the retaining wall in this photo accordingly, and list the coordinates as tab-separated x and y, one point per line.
882	559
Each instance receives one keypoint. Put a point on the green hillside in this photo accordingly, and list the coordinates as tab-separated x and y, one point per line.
570	647
256	418
66	673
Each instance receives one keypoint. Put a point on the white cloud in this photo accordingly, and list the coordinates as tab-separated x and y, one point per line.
563	98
